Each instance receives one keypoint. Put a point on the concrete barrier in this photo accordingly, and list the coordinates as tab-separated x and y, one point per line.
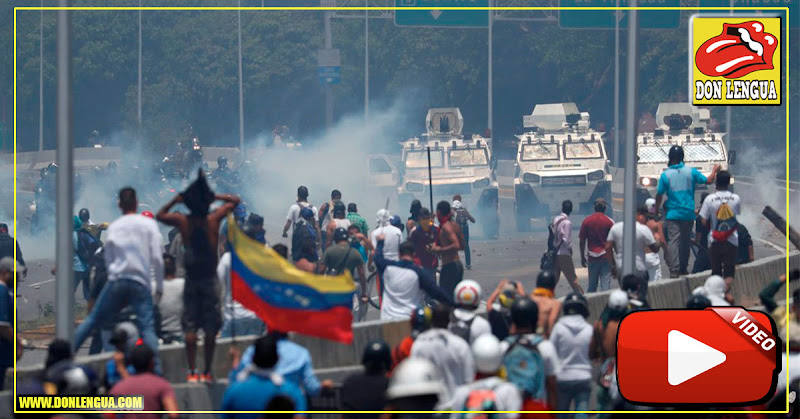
752	277
324	353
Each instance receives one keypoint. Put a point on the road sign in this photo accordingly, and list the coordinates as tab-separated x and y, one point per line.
724	5
604	19
440	16
328	65
328	75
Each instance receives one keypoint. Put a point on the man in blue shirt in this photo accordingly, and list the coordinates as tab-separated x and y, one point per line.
678	183
262	384
294	364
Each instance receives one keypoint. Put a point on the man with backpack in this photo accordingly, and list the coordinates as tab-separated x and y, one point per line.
531	361
341	256
561	231
489	392
466	322
85	245
719	213
304	237
294	211
678	182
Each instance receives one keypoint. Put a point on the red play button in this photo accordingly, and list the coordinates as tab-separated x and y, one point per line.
721	355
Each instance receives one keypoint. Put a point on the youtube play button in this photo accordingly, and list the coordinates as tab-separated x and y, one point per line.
717	356
687	357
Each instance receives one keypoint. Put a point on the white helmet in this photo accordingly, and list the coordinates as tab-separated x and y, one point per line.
456	204
651	205
618	299
487	353
414	377
467	294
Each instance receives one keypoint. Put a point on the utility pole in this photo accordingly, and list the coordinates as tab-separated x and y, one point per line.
489	112
328	89
629	226
617	131
65	295
366	61
241	92
139	80
41	77
728	130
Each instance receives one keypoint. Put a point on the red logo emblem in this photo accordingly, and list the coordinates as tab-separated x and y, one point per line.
740	49
718	356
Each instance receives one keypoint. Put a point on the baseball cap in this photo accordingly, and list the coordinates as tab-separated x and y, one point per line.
7	264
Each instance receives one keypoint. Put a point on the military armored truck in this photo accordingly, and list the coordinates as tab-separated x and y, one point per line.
560	157
459	165
684	125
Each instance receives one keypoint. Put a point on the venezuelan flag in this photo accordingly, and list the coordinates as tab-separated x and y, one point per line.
286	298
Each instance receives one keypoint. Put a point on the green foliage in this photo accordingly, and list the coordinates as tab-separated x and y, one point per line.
190	72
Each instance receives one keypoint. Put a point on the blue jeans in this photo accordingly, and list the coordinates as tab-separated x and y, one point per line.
243	326
578	391
115	296
600	271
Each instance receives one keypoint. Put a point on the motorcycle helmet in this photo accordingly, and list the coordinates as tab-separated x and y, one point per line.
467	294
83	214
397	222
488	354
377	356
420	320
575	304
698	302
524	313
339	235
222	161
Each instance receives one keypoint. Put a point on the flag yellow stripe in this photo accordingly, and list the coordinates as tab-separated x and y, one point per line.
267	263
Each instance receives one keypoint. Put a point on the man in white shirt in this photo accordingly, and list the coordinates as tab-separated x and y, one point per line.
171	305
644	239
392	236
294	211
723	239
132	252
450	354
404	284
562	229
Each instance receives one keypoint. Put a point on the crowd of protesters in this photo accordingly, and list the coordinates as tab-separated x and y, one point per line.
531	351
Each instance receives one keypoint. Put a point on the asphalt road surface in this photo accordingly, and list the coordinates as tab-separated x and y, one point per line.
514	256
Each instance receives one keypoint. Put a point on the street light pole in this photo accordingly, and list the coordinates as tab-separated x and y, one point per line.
328	89
617	130
241	93
139	77
64	226
41	77
629	226
366	61
489	113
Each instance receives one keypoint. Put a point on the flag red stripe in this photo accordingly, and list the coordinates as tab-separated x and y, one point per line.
334	324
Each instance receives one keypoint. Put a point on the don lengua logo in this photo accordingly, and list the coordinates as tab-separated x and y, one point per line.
735	61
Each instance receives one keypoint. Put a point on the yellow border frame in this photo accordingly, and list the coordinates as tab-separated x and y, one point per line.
786	38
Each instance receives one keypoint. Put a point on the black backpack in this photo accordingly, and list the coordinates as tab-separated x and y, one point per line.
549	257
461	328
87	246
